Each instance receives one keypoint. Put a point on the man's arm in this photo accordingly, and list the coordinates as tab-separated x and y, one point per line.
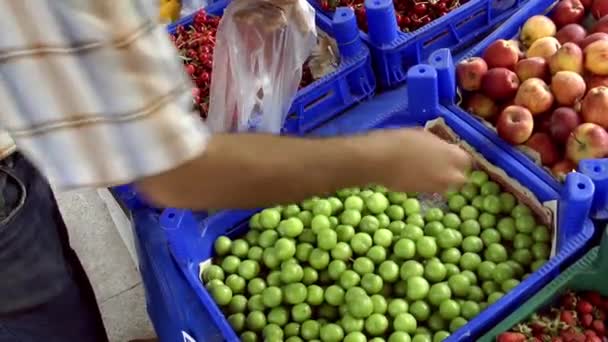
251	170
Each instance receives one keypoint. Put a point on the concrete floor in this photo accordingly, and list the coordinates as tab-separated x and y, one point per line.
115	278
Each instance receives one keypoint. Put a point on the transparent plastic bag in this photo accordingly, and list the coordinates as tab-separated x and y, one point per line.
191	6
260	48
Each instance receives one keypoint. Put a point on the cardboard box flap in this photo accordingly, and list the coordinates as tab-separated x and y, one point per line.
509	184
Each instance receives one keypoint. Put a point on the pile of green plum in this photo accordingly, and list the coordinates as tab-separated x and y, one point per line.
372	265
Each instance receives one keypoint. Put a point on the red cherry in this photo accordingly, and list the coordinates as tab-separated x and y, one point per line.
420	8
190	69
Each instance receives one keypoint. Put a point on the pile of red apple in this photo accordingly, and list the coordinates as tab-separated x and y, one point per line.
548	89
411	14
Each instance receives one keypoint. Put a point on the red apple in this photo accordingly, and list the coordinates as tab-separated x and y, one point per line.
568	87
596	57
592	38
469	73
542	143
600	26
567	12
587	4
544	47
521	54
532	67
515	124
562	168
594	107
500	83
574	33
542	122
563	121
599	8
587	141
535	95
535	28
501	54
596	81
482	106
569	57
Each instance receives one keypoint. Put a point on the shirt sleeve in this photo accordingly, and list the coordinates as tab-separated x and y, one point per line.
93	92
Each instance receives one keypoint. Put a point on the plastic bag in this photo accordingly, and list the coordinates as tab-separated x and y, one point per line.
260	48
191	6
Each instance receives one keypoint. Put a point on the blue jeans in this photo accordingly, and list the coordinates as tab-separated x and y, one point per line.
45	294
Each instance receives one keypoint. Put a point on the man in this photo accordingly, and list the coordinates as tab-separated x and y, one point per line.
93	94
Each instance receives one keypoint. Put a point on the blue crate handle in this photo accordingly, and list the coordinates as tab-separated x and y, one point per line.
423	87
382	21
442	61
597	170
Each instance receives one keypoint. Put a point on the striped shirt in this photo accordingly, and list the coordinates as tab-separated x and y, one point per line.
93	92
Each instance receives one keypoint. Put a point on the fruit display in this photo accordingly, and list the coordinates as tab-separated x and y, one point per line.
196	43
410	14
573	317
368	264
546	91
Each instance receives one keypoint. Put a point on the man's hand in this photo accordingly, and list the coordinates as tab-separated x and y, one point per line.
418	161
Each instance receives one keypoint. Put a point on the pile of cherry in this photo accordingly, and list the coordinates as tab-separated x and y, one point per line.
411	14
195	44
577	317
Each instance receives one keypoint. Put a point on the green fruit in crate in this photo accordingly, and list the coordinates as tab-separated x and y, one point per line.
426	247
376	324
292	227
270	218
375	266
222	245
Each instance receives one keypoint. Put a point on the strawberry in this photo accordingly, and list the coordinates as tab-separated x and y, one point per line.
584	307
600	314
571	335
586	320
511	337
569	301
557	339
594	298
593	339
590	333
568	317
599	327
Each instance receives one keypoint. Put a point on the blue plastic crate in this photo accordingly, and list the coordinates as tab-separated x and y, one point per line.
352	82
172	305
191	240
596	169
394	52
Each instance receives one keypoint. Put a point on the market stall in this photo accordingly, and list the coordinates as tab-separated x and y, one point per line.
520	85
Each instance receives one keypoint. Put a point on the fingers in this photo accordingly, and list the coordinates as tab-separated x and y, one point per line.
462	159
